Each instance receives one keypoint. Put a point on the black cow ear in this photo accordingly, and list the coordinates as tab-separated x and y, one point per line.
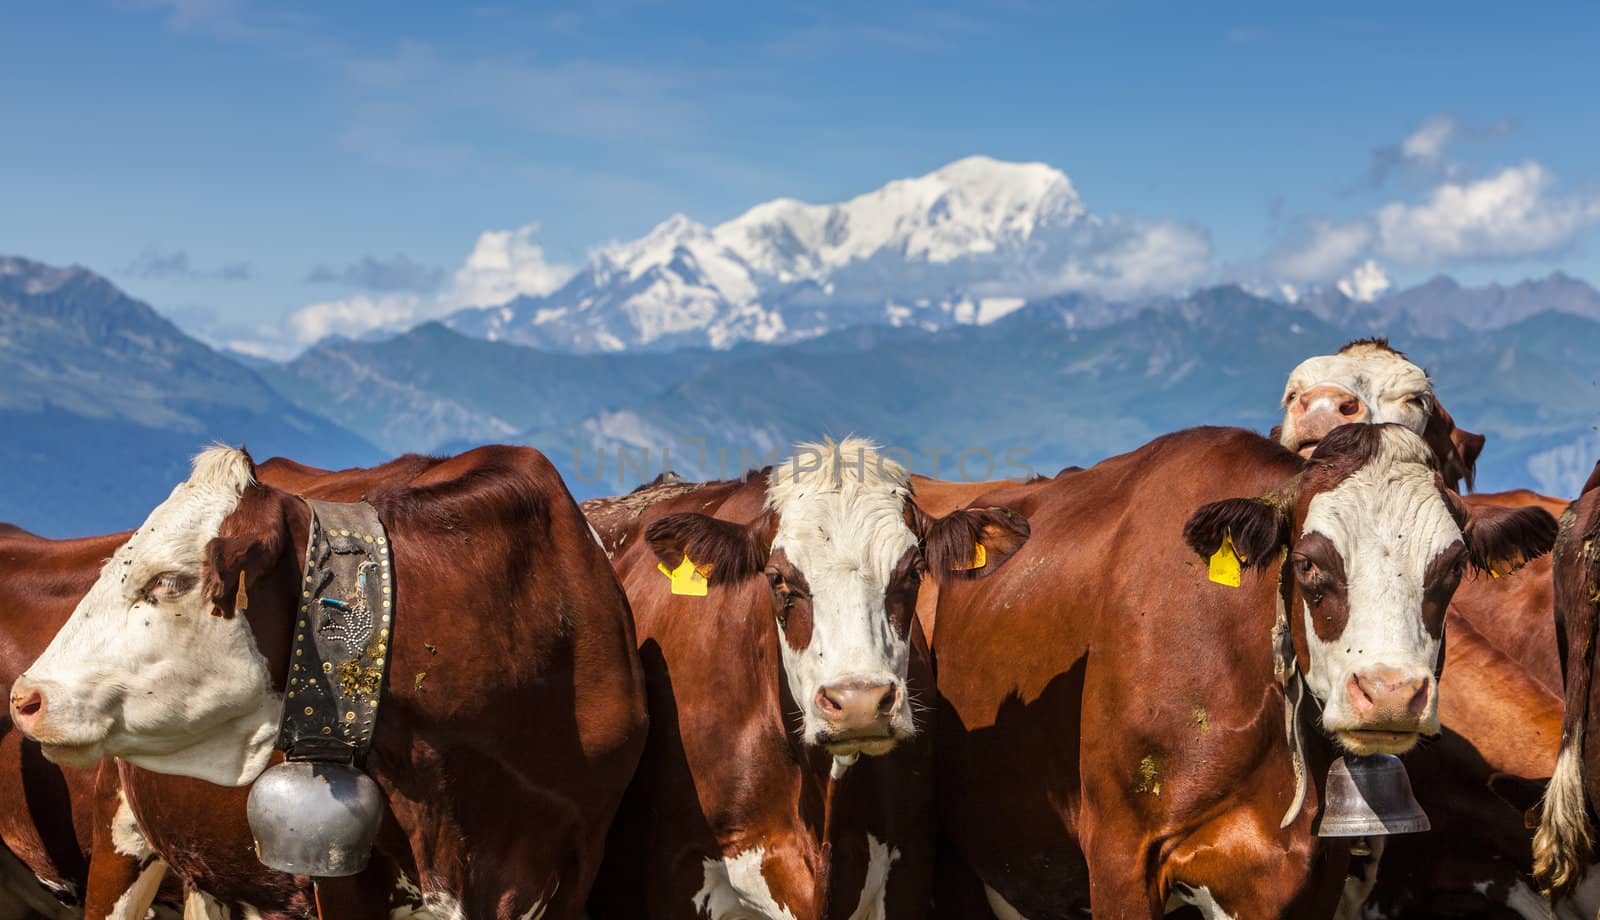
723	550
1500	540
972	542
1257	529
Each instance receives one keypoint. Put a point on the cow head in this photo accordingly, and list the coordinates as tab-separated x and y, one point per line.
844	549
1369	381
157	664
1376	546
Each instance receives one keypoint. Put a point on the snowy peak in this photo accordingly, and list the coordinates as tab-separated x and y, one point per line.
929	251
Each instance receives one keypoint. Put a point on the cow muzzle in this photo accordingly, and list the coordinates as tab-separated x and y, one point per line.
858	717
1390	709
32	714
1321	409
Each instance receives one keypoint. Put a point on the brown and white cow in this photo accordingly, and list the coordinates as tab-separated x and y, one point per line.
1564	846
788	774
1370	381
515	710
1111	729
137	830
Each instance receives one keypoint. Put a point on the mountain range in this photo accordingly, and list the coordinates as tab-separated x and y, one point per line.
103	401
918	314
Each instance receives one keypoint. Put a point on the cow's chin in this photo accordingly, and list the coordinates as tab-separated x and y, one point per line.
1308	447
79	756
872	747
1364	742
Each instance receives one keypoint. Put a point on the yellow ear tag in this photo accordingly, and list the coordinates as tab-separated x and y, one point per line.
1225	564
1499	568
688	578
980	558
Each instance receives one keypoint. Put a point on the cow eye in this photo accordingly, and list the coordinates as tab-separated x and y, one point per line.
167	586
1289	397
1304	567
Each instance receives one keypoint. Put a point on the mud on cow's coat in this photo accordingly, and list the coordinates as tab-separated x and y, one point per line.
788	770
515	708
1111	729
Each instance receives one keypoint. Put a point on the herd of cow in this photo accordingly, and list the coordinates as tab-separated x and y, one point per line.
1118	691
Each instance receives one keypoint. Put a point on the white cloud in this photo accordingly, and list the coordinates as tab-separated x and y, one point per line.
1126	258
1511	214
1328	249
1427	144
1365	283
1505	215
503	265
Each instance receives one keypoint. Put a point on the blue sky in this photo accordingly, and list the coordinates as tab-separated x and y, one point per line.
232	162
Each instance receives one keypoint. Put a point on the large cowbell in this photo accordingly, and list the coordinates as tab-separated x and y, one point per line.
1369	796
317	819
317	813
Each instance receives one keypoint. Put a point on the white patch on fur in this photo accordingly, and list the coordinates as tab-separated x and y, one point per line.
735	889
1391	388
1358	888
197	905
406	902
1198	897
165	686
1584	903
134	904
1002	909
443	906
127	837
1387	521
872	904
1522	900
841	514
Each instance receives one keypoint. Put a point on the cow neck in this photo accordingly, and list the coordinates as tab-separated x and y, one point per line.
340	649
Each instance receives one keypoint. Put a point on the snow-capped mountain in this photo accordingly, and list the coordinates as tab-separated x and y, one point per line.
965	244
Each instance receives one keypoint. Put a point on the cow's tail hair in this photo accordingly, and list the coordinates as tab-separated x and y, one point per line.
1564	843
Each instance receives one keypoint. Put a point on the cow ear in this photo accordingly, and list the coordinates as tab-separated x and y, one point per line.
1258	530
1456	450
971	542
1592	483
249	544
723	550
1500	540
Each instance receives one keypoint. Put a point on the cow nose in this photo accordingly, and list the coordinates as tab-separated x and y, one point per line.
27	705
856	704
1324	408
1385	697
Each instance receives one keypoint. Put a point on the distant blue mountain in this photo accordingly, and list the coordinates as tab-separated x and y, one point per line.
103	401
1058	382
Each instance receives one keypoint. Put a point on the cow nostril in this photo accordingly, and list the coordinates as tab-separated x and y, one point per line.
828	703
1419	700
29	705
887	702
1359	697
1350	408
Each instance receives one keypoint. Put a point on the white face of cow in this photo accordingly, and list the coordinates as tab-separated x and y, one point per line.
1365	382
1377	561
143	670
845	564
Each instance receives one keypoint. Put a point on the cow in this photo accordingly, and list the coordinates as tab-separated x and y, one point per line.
117	864
1368	380
788	773
1112	726
1563	848
515	708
